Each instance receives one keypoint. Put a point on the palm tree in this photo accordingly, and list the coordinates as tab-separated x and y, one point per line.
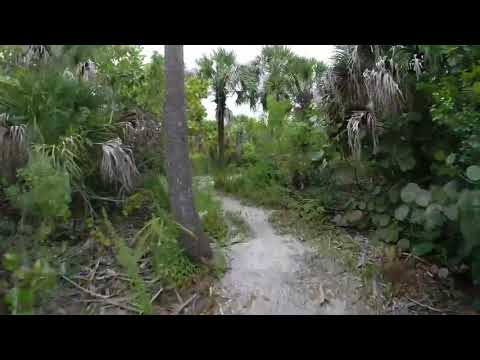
222	70
273	66
278	72
303	75
367	83
178	164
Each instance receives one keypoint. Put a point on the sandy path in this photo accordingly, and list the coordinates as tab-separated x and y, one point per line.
277	274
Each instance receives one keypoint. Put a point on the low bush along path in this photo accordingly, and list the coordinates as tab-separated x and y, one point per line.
277	274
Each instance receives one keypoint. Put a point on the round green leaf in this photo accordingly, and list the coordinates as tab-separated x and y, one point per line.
423	198
402	212
433	217
418	216
451	189
451	212
409	192
473	172
450	159
439	195
406	163
394	195
383	220
469	206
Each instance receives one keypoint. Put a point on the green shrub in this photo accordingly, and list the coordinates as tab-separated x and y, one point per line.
171	264
137	201
128	258
201	164
156	186
211	215
31	283
44	190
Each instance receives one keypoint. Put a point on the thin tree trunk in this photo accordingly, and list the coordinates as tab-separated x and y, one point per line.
178	163
221	132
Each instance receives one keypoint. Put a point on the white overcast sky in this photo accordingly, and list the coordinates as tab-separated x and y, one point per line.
244	53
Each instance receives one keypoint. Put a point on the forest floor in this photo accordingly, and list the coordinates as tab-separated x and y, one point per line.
275	264
279	270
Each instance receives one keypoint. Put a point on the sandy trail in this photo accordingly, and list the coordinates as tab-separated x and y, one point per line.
271	274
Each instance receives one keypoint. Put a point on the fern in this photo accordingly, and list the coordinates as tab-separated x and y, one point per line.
129	258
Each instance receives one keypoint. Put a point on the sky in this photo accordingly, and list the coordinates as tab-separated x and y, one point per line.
244	53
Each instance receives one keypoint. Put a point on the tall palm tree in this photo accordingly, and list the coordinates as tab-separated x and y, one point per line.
222	70
367	83
178	164
278	72
272	65
303	75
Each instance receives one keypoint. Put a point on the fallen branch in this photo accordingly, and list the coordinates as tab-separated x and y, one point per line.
103	297
425	306
94	272
179	298
156	295
185	304
114	303
83	289
415	257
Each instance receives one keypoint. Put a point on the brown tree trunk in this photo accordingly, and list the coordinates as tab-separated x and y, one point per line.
178	163
221	132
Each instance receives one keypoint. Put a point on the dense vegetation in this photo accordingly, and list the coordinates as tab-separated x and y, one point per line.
386	140
81	146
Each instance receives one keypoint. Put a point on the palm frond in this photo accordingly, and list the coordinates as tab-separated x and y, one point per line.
118	165
248	79
68	153
13	147
361	120
383	90
221	69
12	139
353	129
36	54
87	70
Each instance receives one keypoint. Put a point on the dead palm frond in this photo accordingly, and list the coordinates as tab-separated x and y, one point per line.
87	70
353	129
118	165
383	90
12	139
363	86
13	147
417	65
36	54
361	120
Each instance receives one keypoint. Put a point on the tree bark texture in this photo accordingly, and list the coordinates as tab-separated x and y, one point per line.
178	163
